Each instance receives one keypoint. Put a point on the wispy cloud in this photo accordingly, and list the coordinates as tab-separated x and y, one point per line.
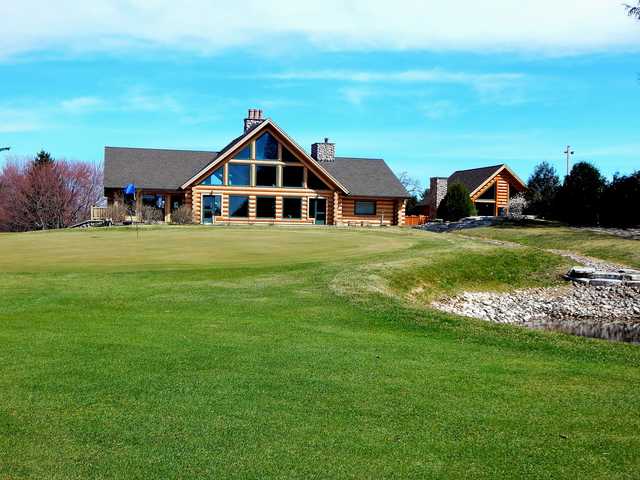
503	88
440	109
541	26
81	104
18	120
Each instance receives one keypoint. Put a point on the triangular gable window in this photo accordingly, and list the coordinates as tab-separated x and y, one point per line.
244	154
289	157
314	182
266	147
489	194
216	178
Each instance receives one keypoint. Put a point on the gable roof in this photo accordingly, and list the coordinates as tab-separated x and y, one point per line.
367	177
152	168
474	177
239	141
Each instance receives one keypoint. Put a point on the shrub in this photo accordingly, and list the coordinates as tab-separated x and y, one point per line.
620	201
149	214
182	215
456	204
579	200
517	205
117	212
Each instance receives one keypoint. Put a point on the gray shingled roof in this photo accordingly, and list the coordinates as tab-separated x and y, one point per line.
169	169
473	177
152	168
367	177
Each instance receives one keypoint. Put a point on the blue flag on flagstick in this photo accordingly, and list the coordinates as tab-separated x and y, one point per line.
130	189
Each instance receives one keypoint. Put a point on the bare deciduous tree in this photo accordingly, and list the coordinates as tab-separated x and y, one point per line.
633	11
37	195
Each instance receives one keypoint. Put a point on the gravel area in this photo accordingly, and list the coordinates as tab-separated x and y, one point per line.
612	313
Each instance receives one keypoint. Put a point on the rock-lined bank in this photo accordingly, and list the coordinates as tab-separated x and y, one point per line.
609	312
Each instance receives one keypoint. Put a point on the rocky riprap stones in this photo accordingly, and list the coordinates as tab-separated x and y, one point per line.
599	278
611	312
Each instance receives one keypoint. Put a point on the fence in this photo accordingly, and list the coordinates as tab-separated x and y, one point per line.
98	213
412	220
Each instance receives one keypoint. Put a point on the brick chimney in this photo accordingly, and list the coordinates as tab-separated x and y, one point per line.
254	117
437	191
324	152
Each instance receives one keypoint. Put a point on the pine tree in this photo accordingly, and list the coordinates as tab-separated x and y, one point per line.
43	158
580	198
456	204
542	189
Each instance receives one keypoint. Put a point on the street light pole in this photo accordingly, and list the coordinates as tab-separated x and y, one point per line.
568	152
5	149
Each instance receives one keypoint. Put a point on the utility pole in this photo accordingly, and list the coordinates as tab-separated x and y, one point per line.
568	152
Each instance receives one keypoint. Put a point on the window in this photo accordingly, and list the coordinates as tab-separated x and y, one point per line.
266	176
291	207
239	174
266	207
216	178
314	182
365	207
292	176
238	206
266	147
155	201
489	194
287	156
244	154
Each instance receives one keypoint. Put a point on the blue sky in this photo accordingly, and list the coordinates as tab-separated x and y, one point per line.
427	90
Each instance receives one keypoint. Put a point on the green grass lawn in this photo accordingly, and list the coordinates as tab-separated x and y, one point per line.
294	353
586	242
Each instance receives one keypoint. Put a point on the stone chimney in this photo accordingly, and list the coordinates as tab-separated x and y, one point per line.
324	152
253	118
437	191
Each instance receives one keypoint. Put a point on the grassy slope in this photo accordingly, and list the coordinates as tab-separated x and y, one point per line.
239	357
582	241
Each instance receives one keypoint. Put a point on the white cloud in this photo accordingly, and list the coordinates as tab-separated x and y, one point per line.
554	27
81	104
17	120
440	109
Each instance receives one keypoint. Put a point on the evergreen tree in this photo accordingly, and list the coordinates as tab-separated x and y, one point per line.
456	204
43	158
542	189
580	197
621	201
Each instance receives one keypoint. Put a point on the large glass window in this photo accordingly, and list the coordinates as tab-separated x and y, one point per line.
314	182
266	175
292	207
244	154
489	194
211	207
292	176
266	147
238	206
266	207
239	174
365	207
216	178
287	156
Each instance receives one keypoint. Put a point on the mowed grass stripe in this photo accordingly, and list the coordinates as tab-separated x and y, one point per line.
268	370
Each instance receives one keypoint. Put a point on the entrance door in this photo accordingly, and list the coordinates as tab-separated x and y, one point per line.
318	210
211	208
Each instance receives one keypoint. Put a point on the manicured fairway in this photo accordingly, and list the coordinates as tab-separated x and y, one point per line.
294	353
